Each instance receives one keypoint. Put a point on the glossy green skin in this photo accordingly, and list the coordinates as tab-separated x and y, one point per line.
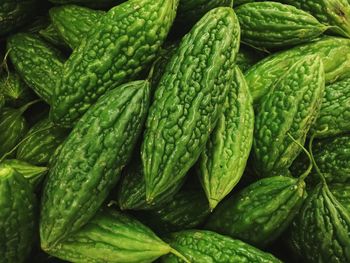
334	52
74	23
334	115
222	163
110	57
13	127
259	213
40	142
17	204
329	12
271	24
247	57
39	64
206	246
180	120
111	237
14	14
103	140
34	174
320	232
289	109
342	193
51	35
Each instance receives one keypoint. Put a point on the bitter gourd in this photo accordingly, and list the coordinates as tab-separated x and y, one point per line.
80	180
123	42
289	109
342	193
222	163
259	213
206	246
40	142
51	35
111	237
334	53
39	64
74	23
334	116
17	205
188	100
320	232
271	24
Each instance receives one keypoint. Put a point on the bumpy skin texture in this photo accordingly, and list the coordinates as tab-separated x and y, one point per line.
334	115
111	237
270	24
189	100
14	14
40	142
80	180
247	57
289	109
17	204
74	23
123	42
222	163
13	127
260	212
39	64
320	233
334	52
206	246
342	193
330	12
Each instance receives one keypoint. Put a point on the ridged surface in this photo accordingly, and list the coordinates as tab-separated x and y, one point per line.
270	24
188	100
111	237
17	203
222	163
74	23
80	180
40	142
205	246
334	115
123	42
38	63
334	53
289	109
342	193
260	212
321	231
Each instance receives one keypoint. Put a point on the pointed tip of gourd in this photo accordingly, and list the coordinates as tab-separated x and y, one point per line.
213	204
179	255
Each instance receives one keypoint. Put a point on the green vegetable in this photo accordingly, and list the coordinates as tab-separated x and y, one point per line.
123	42
334	53
112	237
80	180
51	35
260	212
334	115
342	193
31	172
320	233
206	246
38	63
74	23
223	162
270	24
40	142
247	57
187	106
290	108
17	216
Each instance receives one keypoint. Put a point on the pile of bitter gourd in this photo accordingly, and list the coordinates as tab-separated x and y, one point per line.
196	131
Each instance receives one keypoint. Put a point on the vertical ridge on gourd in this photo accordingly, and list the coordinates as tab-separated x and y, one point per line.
271	24
124	41
17	206
80	180
38	63
290	108
111	237
188	100
342	193
333	51
222	163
